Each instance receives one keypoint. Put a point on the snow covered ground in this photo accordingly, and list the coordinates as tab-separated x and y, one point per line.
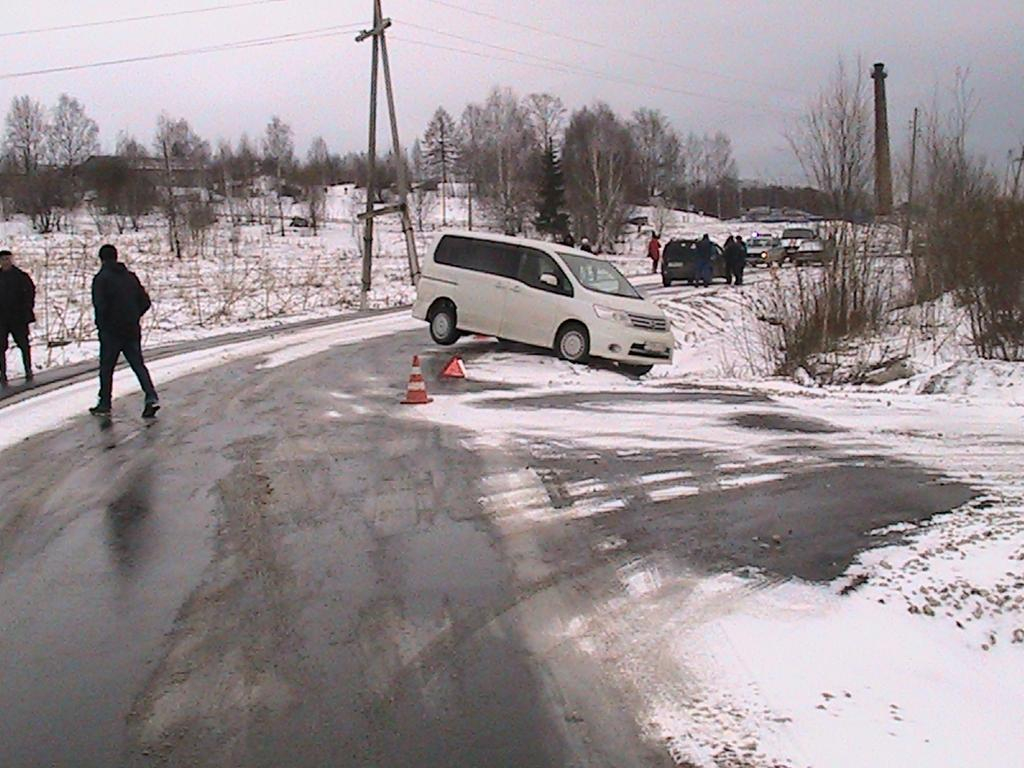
912	656
250	276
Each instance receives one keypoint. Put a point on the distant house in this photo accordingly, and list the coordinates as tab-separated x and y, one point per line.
184	174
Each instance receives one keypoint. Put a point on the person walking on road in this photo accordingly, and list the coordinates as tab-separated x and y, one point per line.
654	252
120	301
17	313
705	253
740	263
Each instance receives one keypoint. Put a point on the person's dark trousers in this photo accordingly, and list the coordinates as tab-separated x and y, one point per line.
704	273
738	269
730	270
112	346
20	335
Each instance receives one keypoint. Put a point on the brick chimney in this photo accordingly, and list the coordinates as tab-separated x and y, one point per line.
883	163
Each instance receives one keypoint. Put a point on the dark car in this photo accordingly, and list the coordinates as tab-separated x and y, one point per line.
679	262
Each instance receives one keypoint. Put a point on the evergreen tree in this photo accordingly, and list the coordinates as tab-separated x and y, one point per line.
551	216
440	151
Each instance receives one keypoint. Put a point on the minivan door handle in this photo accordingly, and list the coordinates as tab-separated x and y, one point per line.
516	289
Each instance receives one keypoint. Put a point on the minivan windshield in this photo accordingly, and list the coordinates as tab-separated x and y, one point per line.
598	275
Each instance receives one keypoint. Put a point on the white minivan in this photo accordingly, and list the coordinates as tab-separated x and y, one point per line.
541	294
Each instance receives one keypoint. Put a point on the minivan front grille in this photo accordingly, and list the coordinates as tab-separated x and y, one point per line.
647	322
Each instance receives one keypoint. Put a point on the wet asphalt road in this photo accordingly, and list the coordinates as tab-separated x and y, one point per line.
280	572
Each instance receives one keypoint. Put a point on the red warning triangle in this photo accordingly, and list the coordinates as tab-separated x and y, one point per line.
454	370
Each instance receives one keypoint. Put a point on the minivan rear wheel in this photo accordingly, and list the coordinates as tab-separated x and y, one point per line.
443	329
573	343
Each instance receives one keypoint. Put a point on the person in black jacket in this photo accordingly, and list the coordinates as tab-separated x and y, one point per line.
17	312
729	254
120	301
740	262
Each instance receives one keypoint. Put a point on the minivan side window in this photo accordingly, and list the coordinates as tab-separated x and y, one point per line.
478	255
536	263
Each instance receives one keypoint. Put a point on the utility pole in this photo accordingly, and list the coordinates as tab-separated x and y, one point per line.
1016	175
380	55
910	185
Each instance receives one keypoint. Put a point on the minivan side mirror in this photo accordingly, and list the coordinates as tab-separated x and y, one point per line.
549	279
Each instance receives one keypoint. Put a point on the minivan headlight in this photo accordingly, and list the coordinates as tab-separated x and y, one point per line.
615	315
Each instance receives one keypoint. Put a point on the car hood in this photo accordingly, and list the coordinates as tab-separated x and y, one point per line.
634	306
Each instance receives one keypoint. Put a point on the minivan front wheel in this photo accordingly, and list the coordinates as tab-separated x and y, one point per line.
573	343
443	328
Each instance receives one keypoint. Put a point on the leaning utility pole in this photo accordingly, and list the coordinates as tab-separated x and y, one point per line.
1016	175
380	54
883	164
910	185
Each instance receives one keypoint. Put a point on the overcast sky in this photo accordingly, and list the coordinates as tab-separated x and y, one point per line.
768	59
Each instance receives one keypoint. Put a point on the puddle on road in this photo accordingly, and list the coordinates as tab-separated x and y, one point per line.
801	520
778	422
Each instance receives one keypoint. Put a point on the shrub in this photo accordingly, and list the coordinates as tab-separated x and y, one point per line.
977	244
817	310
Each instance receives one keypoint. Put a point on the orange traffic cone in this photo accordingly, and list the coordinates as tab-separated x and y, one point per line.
454	370
416	393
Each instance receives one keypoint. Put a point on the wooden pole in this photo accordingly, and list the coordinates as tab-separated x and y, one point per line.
400	171
380	54
1016	176
371	170
910	185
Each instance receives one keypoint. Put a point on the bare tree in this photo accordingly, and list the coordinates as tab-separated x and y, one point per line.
599	162
279	153
73	135
658	150
26	133
244	170
177	145
832	140
140	193
547	118
507	183
314	179
471	162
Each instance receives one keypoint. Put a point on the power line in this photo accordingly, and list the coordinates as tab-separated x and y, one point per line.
129	19
555	65
605	46
258	42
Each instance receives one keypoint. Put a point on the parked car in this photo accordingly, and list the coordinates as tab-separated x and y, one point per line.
764	250
816	251
679	262
792	237
540	294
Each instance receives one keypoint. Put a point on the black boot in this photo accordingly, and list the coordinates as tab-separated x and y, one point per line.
26	360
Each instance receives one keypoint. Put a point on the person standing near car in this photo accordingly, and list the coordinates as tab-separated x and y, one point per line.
705	253
729	253
740	263
586	246
120	301
654	252
17	313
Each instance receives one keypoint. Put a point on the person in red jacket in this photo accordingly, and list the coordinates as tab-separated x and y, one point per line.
654	252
